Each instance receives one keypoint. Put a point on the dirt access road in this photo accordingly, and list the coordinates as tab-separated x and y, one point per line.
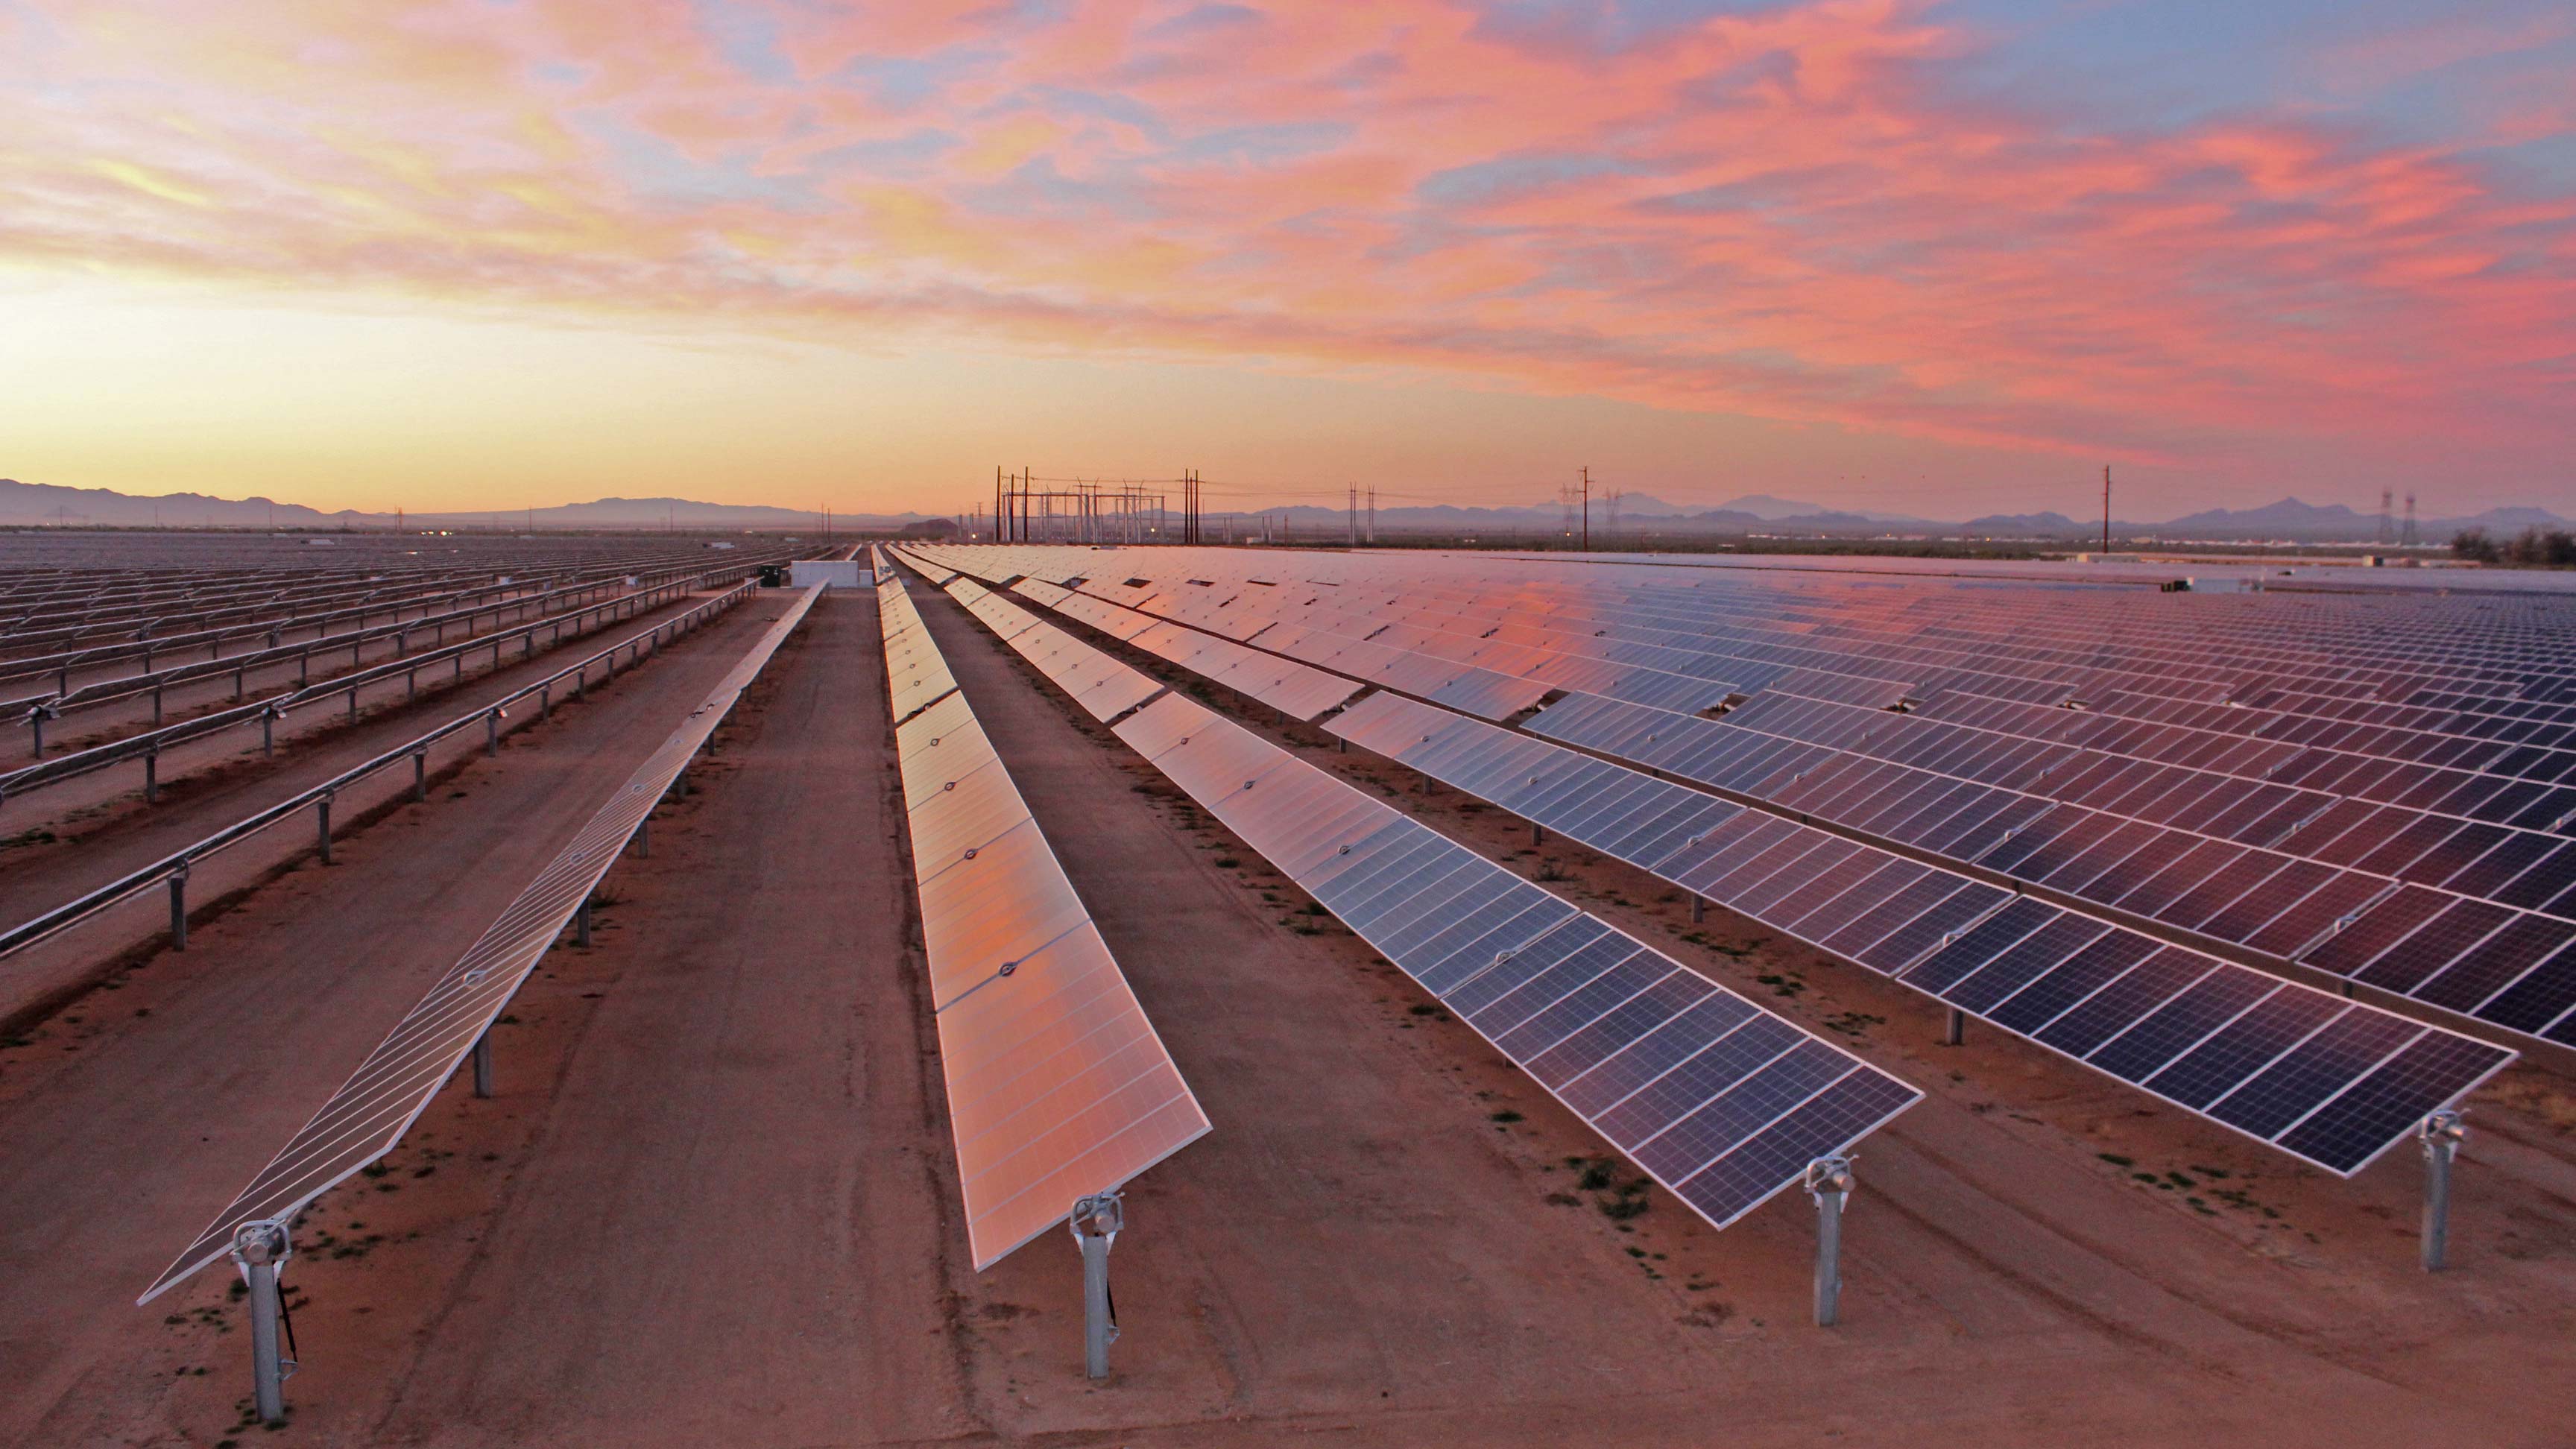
713	1202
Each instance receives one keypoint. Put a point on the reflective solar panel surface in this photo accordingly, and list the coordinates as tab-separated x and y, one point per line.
1058	1086
2295	1067
1718	1100
2266	772
377	1105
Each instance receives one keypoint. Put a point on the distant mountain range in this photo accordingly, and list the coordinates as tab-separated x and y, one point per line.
2289	520
47	505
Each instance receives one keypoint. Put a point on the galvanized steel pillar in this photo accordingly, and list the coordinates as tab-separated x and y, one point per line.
1829	1181
483	1064
260	1250
2441	1134
1096	1223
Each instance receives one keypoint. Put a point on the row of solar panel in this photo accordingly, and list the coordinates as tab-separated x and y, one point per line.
2331	1081
2490	962
1058	1087
368	1115
1719	1101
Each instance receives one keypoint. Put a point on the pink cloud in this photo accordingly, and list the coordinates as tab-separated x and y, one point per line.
1783	214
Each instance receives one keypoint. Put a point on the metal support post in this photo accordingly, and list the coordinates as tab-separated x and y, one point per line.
1699	908
268	732
260	1251
1829	1181
492	733
545	703
1096	1223
179	908
1538	834
420	775
151	776
682	784
2441	1133
36	721
644	839
353	704
322	823
1955	1028
581	924
156	706
483	1064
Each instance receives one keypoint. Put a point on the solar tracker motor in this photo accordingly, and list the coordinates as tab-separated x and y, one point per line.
1096	1221
1829	1182
260	1250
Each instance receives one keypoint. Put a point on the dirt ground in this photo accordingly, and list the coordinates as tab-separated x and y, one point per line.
714	1202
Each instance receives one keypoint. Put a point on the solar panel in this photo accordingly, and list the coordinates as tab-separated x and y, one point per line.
1058	1087
370	1112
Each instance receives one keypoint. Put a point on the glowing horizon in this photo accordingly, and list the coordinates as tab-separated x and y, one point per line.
1933	258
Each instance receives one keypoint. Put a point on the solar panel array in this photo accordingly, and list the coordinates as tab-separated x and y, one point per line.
1718	1100
393	1086
1058	1087
2326	1079
2382	788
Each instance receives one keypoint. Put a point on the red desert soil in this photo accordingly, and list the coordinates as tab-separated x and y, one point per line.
713	1202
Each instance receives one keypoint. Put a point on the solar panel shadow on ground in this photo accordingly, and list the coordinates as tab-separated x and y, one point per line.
1058	1087
1719	1101
368	1116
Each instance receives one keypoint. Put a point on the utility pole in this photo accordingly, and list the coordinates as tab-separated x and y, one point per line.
1351	515
2387	498
2106	508
1587	508
1372	523
2411	537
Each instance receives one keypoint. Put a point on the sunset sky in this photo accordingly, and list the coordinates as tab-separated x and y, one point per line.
1943	258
